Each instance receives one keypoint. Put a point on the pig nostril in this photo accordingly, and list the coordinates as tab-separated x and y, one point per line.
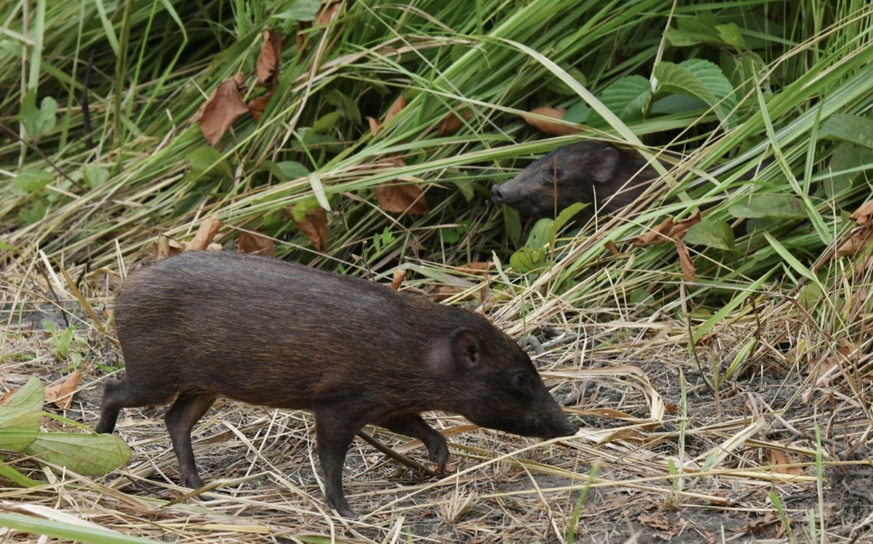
496	194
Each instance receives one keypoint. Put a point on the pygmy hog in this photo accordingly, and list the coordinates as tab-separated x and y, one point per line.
596	173
273	333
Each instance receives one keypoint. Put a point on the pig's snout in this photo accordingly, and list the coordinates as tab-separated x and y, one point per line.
497	194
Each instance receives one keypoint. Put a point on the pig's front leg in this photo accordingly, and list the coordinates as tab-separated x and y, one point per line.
334	431
412	425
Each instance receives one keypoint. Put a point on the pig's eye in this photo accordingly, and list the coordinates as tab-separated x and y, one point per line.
552	175
522	383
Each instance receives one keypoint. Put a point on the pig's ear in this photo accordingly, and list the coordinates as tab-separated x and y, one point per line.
604	164
465	348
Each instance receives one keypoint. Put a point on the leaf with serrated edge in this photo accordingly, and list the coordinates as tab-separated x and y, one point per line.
701	79
715	234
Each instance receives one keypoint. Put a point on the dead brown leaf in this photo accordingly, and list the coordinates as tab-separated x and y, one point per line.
655	236
258	104
208	228
658	523
862	214
62	394
857	242
398	277
778	457
223	107
453	122
394	109
478	268
442	292
301	38
268	60
8	395
768	526
313	226
398	197
214	247
374	125
327	11
165	247
553	129
685	261
679	229
612	248
256	243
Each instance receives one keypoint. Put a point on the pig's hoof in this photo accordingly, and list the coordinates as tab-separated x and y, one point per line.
439	454
346	511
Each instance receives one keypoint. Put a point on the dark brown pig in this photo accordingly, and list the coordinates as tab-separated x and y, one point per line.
272	333
597	173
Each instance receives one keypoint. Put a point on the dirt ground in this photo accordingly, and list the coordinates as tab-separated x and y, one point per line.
710	476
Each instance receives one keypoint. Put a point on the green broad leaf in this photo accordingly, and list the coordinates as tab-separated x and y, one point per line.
33	213
715	234
701	79
299	210
301	10
541	234
37	121
577	113
694	30
527	260
95	176
566	215
512	222
676	103
22	412
327	121
468	191
782	206
348	106
846	156
273	168
32	181
6	247
449	236
849	128
641	296
627	97
207	164
809	295
86	454
293	170
731	35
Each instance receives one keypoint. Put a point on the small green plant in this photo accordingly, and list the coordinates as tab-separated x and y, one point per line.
61	340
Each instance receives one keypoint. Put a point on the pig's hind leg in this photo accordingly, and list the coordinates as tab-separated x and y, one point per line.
118	394
335	428
412	425
180	420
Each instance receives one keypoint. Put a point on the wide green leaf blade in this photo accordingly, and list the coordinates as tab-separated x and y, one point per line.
784	206
22	412
850	128
87	454
715	234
